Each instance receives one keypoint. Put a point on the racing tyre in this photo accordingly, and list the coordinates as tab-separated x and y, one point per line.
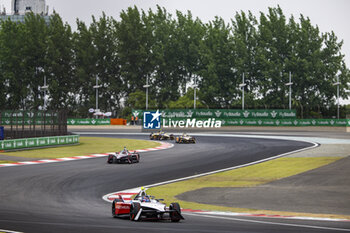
113	209
175	216
110	159
134	209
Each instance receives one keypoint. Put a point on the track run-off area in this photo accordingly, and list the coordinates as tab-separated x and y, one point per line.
67	196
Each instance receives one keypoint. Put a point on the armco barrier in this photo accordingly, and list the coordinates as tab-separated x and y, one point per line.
38	142
222	113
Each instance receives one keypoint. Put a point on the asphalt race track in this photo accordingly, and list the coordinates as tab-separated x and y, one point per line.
67	196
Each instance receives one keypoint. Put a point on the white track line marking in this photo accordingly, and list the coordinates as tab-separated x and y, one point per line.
7	231
271	223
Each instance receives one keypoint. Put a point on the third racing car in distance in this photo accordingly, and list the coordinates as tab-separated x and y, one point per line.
144	206
185	138
124	156
160	135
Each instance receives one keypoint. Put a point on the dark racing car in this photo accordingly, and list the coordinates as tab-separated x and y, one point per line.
184	138
160	135
124	156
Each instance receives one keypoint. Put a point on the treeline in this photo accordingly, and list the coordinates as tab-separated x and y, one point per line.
171	52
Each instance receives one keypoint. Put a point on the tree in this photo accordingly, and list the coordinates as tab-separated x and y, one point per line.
166	78
133	48
245	49
137	100
104	40
273	54
84	68
219	84
59	64
34	48
11	66
186	101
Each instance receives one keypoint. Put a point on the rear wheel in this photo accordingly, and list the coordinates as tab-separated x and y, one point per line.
175	216
134	209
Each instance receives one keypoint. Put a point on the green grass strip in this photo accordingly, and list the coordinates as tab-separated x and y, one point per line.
242	177
88	145
6	161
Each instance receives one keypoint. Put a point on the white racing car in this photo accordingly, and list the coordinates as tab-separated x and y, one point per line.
124	156
144	206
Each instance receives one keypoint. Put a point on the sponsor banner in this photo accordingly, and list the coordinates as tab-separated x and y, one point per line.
88	121
222	113
181	122
27	121
284	122
38	142
27	114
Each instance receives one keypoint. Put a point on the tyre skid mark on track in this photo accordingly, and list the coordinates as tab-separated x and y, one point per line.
165	145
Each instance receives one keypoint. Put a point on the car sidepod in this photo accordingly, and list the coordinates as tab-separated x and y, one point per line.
120	209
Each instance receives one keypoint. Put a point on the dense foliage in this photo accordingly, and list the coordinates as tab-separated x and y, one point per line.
171	52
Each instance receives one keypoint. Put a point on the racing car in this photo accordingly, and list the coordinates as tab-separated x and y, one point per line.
144	206
184	138
124	156
160	135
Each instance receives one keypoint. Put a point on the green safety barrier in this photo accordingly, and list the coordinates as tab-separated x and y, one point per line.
27	114
88	122
222	113
27	121
282	122
38	142
266	122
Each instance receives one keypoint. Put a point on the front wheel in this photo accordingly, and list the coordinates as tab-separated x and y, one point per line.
110	159
175	215
134	209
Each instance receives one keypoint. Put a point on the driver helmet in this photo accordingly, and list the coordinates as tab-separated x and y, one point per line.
125	151
145	199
